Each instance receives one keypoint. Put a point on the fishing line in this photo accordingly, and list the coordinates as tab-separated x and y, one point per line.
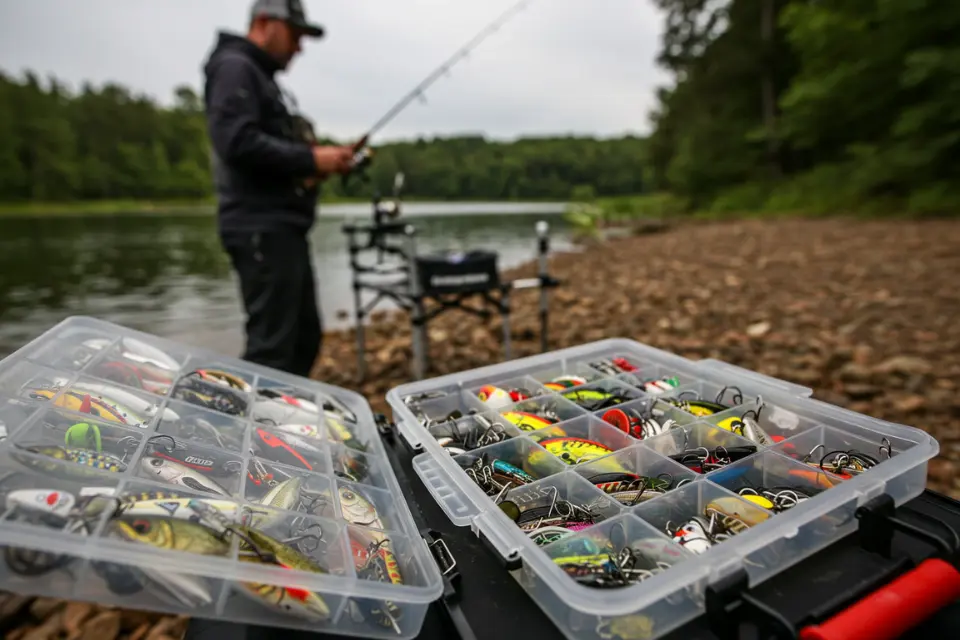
443	70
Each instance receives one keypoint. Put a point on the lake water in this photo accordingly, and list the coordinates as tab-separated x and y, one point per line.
166	274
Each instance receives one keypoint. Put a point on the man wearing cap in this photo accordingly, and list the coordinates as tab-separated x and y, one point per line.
267	171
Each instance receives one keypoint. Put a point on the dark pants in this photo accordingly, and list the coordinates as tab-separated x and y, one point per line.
276	281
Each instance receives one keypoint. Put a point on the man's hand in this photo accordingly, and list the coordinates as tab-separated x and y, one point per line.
333	159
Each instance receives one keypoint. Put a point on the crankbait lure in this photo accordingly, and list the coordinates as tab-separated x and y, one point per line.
374	560
732	514
496	476
168	534
631	489
495	397
614	366
261	548
777	499
358	509
564	382
638	425
224	378
173	472
847	464
659	385
283	450
529	421
575	450
700	407
595	399
196	390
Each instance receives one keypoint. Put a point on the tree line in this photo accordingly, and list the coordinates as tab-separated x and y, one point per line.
109	143
802	104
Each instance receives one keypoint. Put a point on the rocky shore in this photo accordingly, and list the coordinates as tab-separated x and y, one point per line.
863	312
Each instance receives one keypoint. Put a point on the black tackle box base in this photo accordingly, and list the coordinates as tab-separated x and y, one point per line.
485	603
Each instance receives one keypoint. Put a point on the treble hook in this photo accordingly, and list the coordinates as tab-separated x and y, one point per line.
885	446
807	457
737	397
173	446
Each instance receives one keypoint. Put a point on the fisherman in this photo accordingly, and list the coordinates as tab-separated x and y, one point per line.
267	173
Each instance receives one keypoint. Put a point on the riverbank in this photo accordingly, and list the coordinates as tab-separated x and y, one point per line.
861	311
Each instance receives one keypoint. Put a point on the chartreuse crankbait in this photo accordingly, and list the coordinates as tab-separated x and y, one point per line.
528	421
595	399
575	450
700	407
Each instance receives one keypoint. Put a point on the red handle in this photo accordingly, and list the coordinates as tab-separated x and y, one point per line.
894	608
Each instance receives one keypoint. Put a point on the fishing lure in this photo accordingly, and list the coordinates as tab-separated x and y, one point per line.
614	366
374	560
638	425
657	386
339	432
564	382
211	395
631	489
732	514
173	472
496	476
559	513
595	399
258	547
93	460
703	460
276	448
224	378
458	436
847	464
575	450
700	407
358	509
495	397
529	421
137	376
777	499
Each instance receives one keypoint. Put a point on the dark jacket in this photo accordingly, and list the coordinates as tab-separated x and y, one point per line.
259	162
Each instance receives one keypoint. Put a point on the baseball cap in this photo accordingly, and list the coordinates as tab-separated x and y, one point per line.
290	11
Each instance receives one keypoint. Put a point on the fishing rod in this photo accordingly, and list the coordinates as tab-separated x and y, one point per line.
362	153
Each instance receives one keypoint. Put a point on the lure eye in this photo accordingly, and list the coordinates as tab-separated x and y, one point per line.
141	526
156	462
348	496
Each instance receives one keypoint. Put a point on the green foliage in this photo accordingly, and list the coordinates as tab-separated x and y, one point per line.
109	144
840	106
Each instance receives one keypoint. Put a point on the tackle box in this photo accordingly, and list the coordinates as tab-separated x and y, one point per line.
802	433
116	442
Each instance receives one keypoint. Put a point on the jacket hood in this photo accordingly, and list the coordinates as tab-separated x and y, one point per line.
229	42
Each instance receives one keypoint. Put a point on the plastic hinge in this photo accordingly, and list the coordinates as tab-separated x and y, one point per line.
410	441
878	523
505	550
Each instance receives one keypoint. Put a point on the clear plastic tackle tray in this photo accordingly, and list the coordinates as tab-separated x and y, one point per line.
146	474
621	466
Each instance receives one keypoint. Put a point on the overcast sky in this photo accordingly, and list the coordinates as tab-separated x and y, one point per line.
560	66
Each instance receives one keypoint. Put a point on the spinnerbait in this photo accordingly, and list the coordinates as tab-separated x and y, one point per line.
700	407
